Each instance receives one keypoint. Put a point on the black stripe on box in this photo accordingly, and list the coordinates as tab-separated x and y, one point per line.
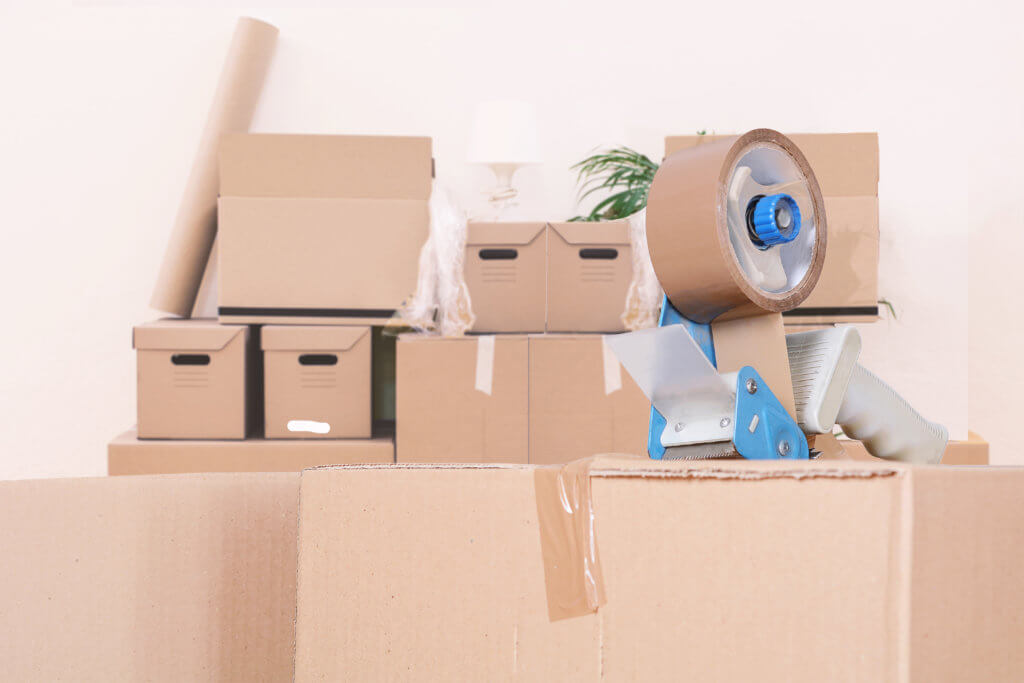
308	312
831	310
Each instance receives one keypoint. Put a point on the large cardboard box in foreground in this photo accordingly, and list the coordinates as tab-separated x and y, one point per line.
846	166
320	228
723	571
178	578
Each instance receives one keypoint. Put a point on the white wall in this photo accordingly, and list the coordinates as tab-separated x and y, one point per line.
103	107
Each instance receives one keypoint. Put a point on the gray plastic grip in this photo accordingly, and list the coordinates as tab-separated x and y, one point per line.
886	424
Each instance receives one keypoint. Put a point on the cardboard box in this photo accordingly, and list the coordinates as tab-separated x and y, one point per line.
317	382
320	229
181	578
590	266
196	380
973	451
505	274
515	399
846	166
582	401
462	399
127	454
728	571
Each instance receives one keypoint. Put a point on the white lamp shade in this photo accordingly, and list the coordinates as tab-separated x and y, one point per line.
504	132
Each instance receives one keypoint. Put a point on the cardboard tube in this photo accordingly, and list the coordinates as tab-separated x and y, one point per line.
688	231
195	226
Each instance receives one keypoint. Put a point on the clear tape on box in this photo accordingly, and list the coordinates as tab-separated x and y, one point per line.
643	298
441	302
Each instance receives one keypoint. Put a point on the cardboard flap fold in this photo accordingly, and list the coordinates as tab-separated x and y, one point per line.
310	337
483	234
184	335
605	232
353	166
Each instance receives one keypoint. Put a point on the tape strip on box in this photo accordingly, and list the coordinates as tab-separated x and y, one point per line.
572	570
485	364
612	369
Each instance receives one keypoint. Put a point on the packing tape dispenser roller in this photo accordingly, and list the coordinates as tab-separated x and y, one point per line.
737	230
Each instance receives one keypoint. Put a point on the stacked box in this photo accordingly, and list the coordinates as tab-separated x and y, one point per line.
541	398
319	238
548	277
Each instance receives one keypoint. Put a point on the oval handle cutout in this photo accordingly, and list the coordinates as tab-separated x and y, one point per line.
310	426
498	254
318	359
191	359
599	253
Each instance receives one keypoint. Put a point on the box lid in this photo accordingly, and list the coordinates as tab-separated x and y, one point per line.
481	234
348	166
311	337
605	232
184	335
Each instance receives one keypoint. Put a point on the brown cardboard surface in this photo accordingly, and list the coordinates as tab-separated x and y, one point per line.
760	342
180	400
457	402
319	374
326	166
184	578
127	454
582	401
325	260
735	570
505	274
192	236
973	451
586	289
849	278
321	229
846	164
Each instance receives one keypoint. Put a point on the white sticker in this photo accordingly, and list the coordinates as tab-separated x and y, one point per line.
612	368
485	363
311	426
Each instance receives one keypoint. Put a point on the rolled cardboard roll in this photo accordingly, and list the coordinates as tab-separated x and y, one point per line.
195	225
709	270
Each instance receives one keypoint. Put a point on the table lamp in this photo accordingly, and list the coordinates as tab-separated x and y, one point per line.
504	137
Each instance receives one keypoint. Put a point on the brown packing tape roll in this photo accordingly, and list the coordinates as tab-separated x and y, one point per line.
688	232
195	225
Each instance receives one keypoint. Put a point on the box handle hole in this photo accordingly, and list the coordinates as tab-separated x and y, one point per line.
191	359
498	254
602	254
318	359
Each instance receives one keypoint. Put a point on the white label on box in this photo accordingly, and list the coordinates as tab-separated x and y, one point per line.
311	426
